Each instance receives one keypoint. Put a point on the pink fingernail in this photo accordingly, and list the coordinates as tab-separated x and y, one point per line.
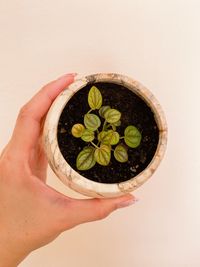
127	203
67	75
73	74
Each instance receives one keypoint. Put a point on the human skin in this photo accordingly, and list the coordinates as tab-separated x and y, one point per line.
32	214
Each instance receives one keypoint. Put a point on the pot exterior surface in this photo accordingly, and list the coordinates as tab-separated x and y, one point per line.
66	173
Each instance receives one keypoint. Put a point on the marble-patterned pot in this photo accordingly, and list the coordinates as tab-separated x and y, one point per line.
72	178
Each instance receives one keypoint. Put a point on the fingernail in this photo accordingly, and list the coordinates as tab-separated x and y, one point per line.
73	73
127	203
67	75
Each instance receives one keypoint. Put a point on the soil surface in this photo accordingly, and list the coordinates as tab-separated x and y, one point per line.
134	112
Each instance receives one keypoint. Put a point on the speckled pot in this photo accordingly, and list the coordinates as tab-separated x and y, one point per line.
72	178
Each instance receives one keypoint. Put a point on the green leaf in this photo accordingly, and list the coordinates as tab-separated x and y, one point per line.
115	138
102	155
120	153
94	98
132	136
113	127
77	130
103	137
92	121
85	159
117	123
87	135
100	135
112	115
108	137
103	109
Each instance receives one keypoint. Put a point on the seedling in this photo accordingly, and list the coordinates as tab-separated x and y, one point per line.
101	134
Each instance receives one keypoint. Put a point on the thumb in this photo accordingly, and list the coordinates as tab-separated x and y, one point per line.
96	209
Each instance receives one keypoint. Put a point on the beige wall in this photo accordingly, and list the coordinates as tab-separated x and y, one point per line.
154	41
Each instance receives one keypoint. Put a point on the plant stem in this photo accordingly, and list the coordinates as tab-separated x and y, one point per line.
89	111
121	137
104	126
113	127
94	145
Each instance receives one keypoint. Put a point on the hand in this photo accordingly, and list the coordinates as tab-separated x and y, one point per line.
33	214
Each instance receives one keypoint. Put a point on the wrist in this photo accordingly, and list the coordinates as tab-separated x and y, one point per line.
10	259
11	254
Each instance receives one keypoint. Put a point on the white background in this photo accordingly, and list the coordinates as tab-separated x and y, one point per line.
154	41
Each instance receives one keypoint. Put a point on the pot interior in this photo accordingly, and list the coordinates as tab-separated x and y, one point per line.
135	111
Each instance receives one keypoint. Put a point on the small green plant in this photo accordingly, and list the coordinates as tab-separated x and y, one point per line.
105	134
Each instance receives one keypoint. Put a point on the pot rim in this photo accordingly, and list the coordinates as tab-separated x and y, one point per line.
71	177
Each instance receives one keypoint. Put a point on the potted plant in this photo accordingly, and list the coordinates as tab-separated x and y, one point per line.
105	135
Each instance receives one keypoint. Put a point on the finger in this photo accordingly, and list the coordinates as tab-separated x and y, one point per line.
88	210
27	128
38	162
4	150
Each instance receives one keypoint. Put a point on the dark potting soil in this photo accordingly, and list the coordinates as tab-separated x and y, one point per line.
134	112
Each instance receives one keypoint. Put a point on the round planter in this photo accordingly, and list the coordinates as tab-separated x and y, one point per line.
71	177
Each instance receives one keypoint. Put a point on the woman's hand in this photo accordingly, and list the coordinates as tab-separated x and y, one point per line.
33	214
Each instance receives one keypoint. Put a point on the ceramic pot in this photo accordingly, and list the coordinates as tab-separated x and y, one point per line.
71	177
